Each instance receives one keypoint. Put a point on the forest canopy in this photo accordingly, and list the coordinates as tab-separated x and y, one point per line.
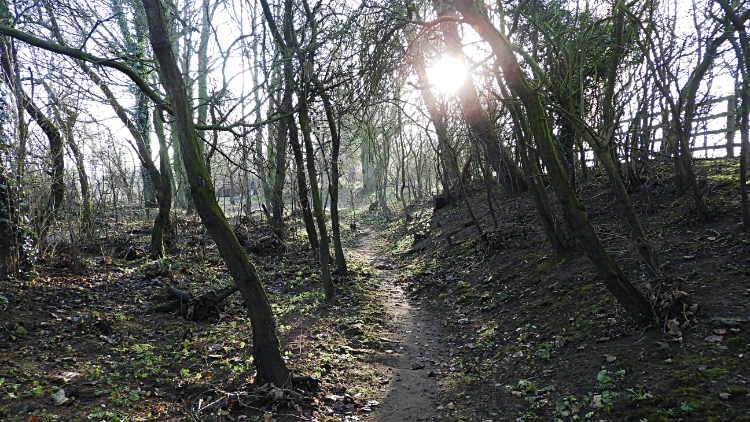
296	109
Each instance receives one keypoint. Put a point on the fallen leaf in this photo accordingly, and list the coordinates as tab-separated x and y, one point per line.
714	339
596	401
610	358
59	398
720	331
674	327
276	394
724	396
451	406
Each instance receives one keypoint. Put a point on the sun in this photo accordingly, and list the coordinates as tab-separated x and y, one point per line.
448	74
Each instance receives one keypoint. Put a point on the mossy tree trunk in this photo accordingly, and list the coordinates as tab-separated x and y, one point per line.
614	279
334	182
552	229
602	147
267	352
303	193
164	192
306	63
476	117
742	51
83	177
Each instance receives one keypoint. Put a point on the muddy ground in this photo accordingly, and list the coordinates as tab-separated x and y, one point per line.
433	322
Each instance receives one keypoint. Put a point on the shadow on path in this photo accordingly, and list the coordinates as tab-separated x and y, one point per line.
418	353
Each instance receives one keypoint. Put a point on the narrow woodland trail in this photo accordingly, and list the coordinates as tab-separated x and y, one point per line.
418	353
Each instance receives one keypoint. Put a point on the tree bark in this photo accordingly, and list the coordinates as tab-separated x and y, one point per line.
303	193
304	122
267	352
334	183
164	192
614	279
742	50
83	179
55	138
552	229
477	119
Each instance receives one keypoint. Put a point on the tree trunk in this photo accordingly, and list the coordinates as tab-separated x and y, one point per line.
57	191
603	152
83	179
477	119
303	193
614	279
334	183
267	352
277	192
564	144
164	194
304	122
742	51
626	207
531	169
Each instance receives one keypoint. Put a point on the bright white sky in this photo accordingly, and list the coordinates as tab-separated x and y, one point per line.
447	74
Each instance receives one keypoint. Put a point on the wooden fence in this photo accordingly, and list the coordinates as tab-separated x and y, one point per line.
706	141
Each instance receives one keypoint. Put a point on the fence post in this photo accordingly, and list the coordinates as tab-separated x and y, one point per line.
666	136
731	124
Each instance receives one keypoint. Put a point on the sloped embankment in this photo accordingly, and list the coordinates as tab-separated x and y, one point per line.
534	335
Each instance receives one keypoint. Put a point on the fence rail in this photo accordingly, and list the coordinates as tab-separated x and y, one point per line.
656	125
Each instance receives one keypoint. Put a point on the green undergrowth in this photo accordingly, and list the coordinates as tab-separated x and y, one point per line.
537	336
118	360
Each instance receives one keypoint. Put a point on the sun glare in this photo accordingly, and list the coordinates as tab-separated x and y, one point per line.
447	75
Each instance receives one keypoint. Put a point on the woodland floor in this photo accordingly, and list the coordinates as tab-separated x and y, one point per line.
447	327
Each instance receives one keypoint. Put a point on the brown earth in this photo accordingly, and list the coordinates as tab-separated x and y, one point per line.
537	337
506	330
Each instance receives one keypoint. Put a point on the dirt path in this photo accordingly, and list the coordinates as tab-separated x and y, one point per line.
418	353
